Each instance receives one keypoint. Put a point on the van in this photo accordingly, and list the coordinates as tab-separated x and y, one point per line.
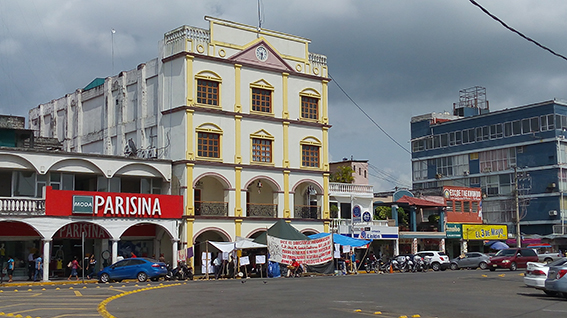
512	258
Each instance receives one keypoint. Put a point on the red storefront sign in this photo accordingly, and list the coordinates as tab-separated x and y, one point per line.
112	204
464	194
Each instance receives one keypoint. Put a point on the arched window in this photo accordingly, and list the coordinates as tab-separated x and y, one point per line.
209	141
208	88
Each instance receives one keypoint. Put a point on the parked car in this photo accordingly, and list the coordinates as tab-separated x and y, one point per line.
536	274
557	280
470	260
512	258
140	268
439	260
548	257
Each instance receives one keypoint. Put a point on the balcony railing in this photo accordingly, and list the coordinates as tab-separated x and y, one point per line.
350	188
211	208
261	210
560	229
307	212
20	206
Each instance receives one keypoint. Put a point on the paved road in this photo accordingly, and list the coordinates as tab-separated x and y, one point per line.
465	293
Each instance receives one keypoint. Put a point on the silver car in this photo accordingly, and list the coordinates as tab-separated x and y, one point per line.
536	274
557	280
470	260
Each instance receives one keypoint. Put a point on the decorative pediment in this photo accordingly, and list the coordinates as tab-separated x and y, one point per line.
262	134
262	83
261	53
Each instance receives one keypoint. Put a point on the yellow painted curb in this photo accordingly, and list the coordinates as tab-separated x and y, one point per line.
102	306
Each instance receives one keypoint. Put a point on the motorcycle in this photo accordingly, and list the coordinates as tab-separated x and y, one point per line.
181	272
371	265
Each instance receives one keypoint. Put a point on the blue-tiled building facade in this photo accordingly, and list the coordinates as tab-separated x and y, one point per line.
485	150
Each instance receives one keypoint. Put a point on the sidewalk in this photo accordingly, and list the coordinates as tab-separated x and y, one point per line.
52	281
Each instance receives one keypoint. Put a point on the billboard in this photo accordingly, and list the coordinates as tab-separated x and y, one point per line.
112	204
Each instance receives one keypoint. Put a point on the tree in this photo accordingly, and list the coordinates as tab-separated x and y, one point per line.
384	213
343	174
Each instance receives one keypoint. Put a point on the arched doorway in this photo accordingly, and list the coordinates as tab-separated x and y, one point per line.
68	243
262	198
307	200
201	246
146	240
18	239
211	196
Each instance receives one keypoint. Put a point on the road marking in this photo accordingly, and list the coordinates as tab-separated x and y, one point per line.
78	293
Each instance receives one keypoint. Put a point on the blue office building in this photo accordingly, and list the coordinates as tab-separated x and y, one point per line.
476	148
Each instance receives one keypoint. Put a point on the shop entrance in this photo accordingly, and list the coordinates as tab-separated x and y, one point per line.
68	244
18	240
200	248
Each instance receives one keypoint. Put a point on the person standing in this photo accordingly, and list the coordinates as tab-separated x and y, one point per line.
217	263
38	268
31	265
74	266
10	268
91	267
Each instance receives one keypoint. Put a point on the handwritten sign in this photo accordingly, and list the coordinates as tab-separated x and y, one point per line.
312	252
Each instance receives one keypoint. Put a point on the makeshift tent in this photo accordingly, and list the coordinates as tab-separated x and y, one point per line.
342	240
240	244
282	229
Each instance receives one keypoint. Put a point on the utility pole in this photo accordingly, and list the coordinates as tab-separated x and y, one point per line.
517	205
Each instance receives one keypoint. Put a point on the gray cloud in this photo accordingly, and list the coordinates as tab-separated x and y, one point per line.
396	59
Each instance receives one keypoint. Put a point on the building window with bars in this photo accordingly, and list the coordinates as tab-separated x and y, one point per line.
261	150
208	145
261	100
310	156
309	107
207	92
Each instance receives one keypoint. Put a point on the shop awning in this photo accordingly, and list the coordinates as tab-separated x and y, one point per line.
342	240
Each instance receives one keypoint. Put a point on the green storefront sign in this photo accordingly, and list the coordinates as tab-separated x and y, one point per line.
83	204
454	230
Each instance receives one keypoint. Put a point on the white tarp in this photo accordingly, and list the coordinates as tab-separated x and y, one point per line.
240	244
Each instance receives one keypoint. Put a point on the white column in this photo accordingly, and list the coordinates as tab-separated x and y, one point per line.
114	250
46	259
464	246
396	247
174	243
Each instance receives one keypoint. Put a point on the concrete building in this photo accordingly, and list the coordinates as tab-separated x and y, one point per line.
352	210
242	112
522	147
50	200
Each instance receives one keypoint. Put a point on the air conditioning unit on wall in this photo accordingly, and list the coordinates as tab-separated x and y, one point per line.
552	212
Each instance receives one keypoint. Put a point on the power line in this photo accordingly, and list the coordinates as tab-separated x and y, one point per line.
517	32
368	116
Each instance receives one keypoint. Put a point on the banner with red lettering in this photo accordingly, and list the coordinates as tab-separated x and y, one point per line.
311	252
112	204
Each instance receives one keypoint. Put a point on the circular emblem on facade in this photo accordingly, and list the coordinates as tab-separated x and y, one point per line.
447	194
106	254
366	216
356	211
261	53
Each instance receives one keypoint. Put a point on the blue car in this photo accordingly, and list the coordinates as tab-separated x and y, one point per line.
556	281
140	268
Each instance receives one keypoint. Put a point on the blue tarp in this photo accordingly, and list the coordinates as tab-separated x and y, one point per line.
342	240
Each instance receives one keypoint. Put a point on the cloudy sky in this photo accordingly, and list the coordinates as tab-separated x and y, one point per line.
395	58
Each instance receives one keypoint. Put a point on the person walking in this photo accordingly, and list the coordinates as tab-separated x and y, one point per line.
38	268
31	265
10	268
91	267
74	266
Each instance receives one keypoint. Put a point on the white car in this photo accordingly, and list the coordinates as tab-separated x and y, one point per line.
439	260
536	273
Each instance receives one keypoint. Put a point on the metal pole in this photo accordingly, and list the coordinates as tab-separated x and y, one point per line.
83	252
517	204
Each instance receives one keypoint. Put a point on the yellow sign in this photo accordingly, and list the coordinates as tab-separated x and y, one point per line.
484	232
